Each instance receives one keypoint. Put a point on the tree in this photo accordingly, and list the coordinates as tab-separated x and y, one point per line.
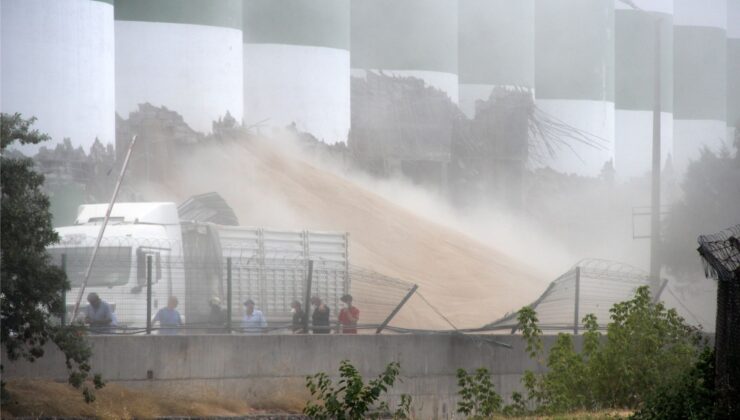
710	202
30	292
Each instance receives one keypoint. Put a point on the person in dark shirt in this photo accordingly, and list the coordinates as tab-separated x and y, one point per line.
320	317
299	318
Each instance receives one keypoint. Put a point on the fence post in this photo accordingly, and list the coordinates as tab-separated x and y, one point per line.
63	315
659	292
396	309
307	302
578	293
228	295
148	294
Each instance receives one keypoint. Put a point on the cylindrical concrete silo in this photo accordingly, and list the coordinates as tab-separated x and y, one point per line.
495	46
185	55
733	67
699	78
297	66
415	38
57	65
634	80
574	77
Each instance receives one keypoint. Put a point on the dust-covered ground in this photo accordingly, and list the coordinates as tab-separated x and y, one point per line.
46	398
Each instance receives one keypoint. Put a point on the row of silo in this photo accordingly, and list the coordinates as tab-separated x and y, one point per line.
73	63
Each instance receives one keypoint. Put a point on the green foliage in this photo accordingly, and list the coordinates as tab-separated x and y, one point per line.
709	199
527	318
692	396
352	398
31	286
518	406
479	399
646	347
565	386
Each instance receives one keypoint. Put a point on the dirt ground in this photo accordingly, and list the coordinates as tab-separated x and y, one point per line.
47	398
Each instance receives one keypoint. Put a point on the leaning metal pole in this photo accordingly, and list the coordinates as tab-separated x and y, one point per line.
102	229
655	190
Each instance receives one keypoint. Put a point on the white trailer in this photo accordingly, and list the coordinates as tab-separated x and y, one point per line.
190	263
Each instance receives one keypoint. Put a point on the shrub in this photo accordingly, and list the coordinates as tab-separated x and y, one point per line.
646	347
479	399
353	399
692	396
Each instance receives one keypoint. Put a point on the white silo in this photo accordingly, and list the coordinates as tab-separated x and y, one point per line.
185	55
416	38
699	78
574	77
56	63
733	67
495	47
636	24
297	66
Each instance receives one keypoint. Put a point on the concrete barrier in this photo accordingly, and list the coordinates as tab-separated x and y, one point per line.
269	371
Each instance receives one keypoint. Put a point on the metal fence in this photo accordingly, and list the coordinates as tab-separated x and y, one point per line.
720	254
211	293
592	286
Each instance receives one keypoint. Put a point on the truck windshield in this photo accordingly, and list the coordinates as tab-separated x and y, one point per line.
112	267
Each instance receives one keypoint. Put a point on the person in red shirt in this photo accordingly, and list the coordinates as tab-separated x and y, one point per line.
348	316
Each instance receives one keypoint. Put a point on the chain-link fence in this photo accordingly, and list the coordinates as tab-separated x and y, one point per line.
138	282
720	254
592	286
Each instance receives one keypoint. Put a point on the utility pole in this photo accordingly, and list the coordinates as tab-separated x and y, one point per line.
655	190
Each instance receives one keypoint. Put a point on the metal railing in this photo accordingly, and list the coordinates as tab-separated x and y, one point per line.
211	293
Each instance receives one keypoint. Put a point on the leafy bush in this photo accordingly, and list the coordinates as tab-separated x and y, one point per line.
479	399
690	397
353	399
646	347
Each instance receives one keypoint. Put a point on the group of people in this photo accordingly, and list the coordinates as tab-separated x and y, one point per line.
101	318
348	317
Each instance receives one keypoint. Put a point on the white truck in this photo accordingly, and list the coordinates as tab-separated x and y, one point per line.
189	261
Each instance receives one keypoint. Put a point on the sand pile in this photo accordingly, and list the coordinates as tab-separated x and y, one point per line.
270	185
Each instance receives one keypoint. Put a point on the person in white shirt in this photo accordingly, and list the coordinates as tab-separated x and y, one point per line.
254	321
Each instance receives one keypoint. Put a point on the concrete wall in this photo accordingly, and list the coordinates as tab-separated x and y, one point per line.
270	370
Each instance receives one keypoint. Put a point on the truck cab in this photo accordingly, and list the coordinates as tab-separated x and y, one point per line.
134	232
